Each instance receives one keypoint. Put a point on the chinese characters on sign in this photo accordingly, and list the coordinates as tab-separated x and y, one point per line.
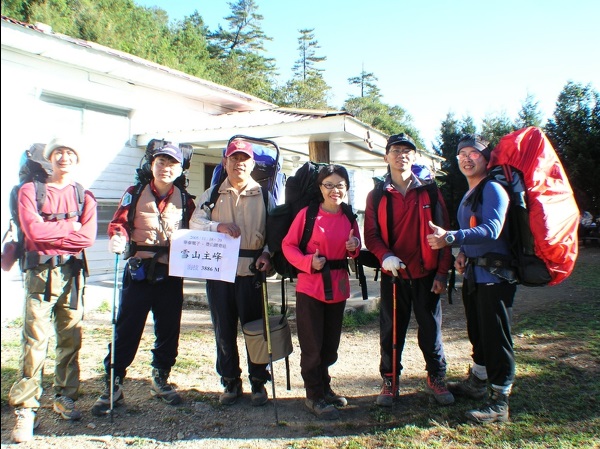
203	255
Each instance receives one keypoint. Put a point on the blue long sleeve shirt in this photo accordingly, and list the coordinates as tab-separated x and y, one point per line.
486	236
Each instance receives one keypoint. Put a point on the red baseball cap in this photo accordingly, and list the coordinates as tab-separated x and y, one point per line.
239	146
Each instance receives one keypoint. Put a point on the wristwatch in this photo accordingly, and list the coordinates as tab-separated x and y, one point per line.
449	238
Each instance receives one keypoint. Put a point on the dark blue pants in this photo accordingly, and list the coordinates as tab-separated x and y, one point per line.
415	295
165	300
230	304
487	310
319	330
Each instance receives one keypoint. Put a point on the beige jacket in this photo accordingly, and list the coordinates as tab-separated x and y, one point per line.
246	209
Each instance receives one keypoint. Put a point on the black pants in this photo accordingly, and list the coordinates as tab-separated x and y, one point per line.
165	300
319	331
428	313
230	304
488	310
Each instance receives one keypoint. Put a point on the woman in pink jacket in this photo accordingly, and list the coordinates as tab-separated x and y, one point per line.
323	286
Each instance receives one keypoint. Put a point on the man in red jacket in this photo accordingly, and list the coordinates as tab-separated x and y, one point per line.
411	270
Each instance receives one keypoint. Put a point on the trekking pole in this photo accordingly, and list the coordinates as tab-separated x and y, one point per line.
267	328
112	345
395	280
287	358
394	337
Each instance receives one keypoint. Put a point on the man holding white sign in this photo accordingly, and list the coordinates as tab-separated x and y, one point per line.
239	211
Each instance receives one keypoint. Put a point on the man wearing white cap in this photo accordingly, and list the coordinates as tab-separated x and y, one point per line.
54	268
240	211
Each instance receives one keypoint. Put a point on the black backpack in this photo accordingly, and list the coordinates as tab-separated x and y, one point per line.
531	270
301	190
34	168
143	176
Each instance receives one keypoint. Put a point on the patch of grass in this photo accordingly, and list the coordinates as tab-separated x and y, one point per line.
358	318
141	442
314	430
105	306
16	323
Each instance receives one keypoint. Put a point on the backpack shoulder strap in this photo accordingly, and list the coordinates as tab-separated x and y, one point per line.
265	195
309	224
377	195
80	193
40	194
347	209
135	196
185	195
432	190
477	195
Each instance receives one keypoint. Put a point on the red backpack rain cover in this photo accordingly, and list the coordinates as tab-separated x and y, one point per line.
553	212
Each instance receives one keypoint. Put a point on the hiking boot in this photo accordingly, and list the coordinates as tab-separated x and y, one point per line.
496	410
322	409
233	390
472	387
26	422
437	385
161	389
259	392
65	407
335	399
387	396
102	405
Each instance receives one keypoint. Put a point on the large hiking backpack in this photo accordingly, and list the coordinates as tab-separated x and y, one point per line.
267	169
301	190
33	168
543	216
144	175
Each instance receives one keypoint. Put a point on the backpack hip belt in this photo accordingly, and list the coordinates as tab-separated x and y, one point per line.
337	264
33	259
493	260
132	249
253	253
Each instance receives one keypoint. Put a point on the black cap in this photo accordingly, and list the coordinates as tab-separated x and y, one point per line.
398	139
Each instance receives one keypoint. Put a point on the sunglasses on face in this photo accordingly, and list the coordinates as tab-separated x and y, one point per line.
474	155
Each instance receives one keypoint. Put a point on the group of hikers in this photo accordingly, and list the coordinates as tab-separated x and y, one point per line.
406	227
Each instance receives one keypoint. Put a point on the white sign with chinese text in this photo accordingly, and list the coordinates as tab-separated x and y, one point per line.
204	255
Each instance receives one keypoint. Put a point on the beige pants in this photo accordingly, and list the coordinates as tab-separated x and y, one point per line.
39	315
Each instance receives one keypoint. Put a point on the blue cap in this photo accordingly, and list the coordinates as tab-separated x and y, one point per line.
170	150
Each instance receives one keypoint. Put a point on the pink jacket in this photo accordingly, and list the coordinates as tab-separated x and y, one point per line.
329	236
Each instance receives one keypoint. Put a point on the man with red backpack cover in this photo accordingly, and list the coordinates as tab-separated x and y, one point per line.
488	291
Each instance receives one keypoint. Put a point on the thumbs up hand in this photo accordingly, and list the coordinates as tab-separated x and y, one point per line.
318	262
436	240
352	243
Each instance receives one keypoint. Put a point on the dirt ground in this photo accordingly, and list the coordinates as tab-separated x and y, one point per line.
201	422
